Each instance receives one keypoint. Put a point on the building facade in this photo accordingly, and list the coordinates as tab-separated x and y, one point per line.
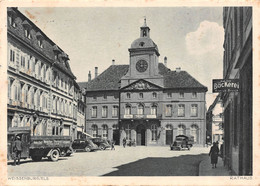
81	113
41	86
215	131
145	101
237	64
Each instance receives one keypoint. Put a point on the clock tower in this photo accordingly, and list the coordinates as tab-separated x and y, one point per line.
144	56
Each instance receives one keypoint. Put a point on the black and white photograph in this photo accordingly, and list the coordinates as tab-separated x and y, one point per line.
129	95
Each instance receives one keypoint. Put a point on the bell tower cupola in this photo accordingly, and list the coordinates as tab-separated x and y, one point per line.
144	57
145	30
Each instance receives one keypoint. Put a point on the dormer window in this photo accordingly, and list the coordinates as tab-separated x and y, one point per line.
27	33
27	29
56	51
40	43
11	16
40	39
11	21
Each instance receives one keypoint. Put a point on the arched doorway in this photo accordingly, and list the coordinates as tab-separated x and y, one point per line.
194	132
116	134
169	134
140	135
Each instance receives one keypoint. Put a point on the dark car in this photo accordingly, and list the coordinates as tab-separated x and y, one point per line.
84	144
101	143
182	142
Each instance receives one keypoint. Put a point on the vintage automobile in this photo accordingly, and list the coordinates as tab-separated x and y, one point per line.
37	147
84	144
182	142
101	143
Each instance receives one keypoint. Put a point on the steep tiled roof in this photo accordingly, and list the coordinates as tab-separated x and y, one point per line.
82	84
109	79
180	79
49	46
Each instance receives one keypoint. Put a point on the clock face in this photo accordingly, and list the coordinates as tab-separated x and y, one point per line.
141	66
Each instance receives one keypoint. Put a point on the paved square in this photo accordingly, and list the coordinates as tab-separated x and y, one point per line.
129	161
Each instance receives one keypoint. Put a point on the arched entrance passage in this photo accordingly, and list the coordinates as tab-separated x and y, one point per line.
140	135
116	134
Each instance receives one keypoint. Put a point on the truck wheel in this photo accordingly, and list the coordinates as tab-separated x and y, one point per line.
55	155
36	158
87	149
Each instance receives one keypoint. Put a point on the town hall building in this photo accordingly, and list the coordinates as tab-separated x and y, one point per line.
145	101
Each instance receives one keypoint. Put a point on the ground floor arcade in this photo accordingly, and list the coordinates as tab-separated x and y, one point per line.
148	132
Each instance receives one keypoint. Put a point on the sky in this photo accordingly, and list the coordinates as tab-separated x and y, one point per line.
191	37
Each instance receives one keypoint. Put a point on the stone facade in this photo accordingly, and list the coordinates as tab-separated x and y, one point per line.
145	101
41	86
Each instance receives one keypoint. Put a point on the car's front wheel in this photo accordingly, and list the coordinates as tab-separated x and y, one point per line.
102	147
87	149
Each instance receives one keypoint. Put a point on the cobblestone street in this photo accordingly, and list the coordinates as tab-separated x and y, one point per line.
129	161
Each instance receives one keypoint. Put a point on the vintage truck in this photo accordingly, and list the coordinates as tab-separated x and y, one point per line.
38	147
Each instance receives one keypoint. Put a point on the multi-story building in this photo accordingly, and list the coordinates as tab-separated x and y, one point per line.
215	121
41	85
237	64
81	113
145	101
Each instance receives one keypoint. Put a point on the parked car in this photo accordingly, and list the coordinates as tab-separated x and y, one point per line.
84	144
182	142
101	143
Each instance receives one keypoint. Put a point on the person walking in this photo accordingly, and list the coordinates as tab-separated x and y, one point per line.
124	142
213	153
113	145
17	149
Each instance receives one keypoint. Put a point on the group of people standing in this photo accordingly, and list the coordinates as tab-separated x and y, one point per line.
130	143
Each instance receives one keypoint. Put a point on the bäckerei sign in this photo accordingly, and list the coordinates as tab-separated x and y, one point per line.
225	85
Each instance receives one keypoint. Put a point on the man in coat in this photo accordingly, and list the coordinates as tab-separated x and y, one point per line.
17	149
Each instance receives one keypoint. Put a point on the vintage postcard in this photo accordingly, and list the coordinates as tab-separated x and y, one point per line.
129	92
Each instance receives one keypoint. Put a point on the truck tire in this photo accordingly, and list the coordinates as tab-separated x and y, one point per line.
54	155
36	158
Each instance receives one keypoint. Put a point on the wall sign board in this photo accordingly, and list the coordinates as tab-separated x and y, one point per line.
225	85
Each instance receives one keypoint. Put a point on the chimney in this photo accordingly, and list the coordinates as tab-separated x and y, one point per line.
178	69
96	72
89	76
165	61
113	62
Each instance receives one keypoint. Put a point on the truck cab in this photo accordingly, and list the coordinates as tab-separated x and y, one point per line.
25	139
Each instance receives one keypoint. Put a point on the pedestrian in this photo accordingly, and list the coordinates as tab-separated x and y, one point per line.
134	143
222	150
17	149
217	143
113	145
124	142
213	153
